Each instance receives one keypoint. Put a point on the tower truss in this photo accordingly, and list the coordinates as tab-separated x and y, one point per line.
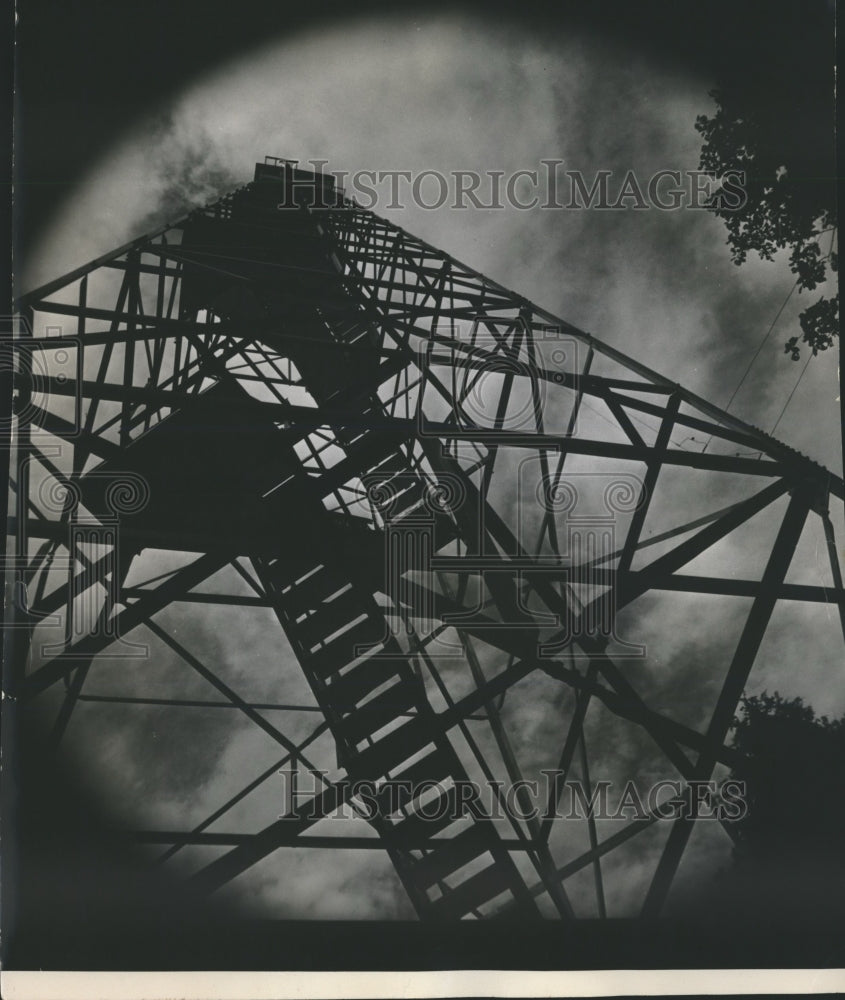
287	450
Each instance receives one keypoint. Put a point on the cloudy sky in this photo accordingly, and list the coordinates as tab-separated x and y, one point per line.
450	93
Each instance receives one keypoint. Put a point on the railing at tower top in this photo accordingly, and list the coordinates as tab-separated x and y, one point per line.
280	161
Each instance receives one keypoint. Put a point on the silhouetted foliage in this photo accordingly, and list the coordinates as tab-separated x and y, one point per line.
787	864
794	772
777	129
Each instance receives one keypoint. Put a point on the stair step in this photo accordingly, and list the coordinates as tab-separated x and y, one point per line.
393	749
284	570
478	889
343	648
435	766
331	616
393	464
347	395
345	692
389	705
450	855
311	593
408	493
437	815
372	447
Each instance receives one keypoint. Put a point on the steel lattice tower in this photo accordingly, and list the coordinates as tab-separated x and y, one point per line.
434	492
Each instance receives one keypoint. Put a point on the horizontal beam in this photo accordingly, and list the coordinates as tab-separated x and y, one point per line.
603	577
306	418
394	245
234	600
616	702
126	620
115	699
29	298
312	840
